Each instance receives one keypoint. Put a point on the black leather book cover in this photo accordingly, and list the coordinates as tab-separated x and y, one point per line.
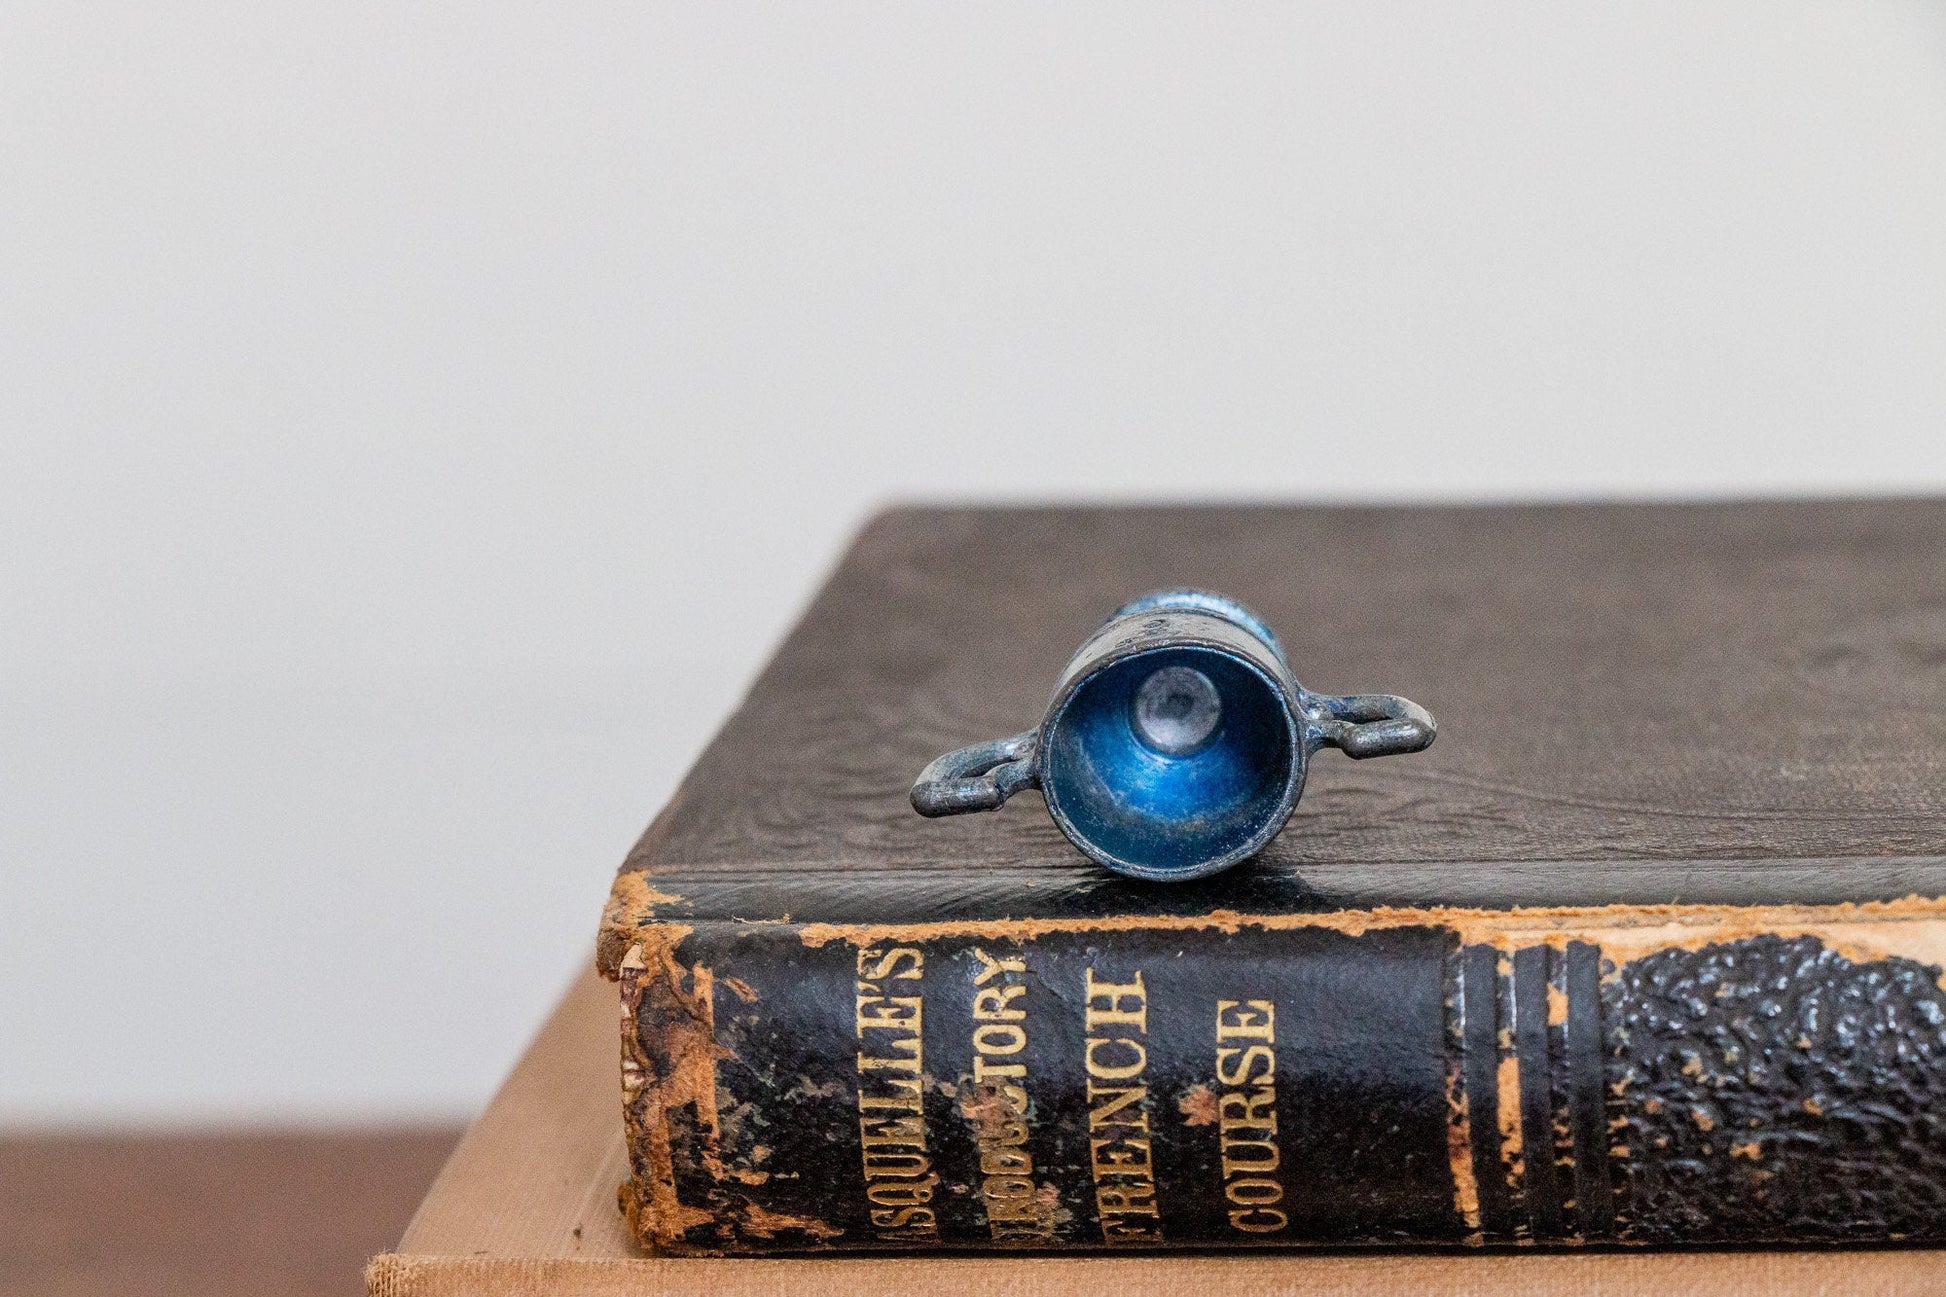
1646	950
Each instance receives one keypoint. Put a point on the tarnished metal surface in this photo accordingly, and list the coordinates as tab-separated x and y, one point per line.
1176	742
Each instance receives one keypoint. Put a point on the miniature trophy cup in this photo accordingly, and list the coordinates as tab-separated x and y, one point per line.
1175	743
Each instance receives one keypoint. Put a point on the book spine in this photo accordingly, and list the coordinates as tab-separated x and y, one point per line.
1660	1075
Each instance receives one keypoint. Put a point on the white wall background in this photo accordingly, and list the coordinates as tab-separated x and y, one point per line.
379	381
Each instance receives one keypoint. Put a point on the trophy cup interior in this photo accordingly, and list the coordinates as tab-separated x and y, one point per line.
1173	762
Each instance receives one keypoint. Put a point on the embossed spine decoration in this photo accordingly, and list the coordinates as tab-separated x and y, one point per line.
1634	1075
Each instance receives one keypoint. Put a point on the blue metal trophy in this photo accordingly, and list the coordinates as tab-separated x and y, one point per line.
1176	741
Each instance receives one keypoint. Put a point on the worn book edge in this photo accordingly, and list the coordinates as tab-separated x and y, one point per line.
1723	1274
630	920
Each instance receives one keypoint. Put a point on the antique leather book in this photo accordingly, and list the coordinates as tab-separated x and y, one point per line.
1646	949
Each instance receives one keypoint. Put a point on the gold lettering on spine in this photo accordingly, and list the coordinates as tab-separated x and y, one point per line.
1116	1050
1246	1111
1018	1209
893	1150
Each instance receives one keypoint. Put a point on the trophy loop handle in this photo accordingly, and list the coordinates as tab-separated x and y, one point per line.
1377	725
977	778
